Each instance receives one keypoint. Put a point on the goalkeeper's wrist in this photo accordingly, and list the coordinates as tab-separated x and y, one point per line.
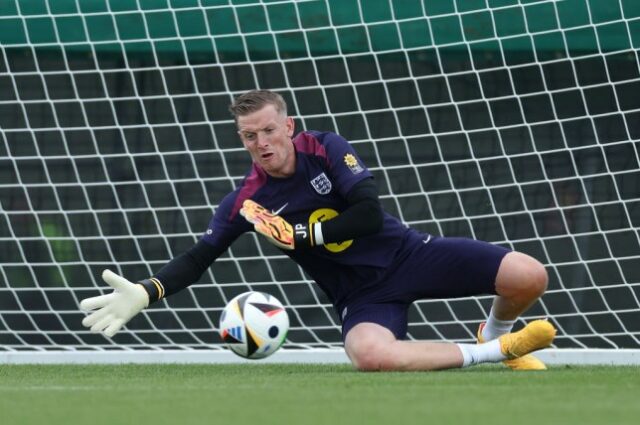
154	289
308	235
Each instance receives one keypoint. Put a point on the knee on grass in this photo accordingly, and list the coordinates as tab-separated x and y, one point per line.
371	356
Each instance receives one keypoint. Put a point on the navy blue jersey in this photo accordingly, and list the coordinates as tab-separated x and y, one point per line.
327	167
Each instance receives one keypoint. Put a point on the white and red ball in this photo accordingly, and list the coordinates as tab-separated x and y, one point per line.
254	325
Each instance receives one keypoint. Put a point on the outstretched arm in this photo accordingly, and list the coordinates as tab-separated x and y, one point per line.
181	272
112	311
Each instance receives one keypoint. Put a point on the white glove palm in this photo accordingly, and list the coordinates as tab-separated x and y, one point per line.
116	308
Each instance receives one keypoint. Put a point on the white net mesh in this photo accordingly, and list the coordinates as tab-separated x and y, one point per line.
515	122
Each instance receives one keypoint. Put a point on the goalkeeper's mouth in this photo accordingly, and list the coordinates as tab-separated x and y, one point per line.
266	156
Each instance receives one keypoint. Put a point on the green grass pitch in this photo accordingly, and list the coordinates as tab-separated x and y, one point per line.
314	394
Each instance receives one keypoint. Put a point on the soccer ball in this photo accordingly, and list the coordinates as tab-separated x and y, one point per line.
254	325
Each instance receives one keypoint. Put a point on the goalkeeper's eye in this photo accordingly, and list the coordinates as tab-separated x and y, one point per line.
249	136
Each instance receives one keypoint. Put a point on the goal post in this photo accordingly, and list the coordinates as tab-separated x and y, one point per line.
512	121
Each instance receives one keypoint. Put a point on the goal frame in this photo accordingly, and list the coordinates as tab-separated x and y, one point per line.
551	356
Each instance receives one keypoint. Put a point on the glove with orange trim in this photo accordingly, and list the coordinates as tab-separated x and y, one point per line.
275	228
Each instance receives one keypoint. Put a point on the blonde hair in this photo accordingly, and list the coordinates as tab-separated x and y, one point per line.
255	100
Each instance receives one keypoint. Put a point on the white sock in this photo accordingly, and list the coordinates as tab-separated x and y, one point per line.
495	328
488	352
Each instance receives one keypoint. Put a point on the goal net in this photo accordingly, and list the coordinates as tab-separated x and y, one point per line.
511	121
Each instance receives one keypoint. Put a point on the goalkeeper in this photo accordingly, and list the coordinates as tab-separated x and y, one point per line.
313	197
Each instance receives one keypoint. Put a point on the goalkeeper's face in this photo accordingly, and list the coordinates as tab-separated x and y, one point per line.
266	134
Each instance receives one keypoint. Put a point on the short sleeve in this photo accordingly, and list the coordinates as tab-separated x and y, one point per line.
345	166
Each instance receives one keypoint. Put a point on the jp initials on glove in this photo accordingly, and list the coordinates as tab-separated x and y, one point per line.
113	310
275	228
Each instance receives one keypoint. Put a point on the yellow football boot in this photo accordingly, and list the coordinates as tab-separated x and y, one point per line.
536	335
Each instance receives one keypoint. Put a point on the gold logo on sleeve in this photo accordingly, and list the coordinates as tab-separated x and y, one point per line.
353	164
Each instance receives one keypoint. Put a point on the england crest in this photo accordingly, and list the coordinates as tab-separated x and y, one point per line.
321	184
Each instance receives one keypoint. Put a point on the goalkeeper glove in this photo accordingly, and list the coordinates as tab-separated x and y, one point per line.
278	230
114	309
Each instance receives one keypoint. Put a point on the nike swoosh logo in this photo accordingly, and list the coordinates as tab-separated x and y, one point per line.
279	210
426	241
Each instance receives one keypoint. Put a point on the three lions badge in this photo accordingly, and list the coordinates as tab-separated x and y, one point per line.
321	184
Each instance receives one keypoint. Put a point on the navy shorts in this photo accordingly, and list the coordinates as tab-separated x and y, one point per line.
426	267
